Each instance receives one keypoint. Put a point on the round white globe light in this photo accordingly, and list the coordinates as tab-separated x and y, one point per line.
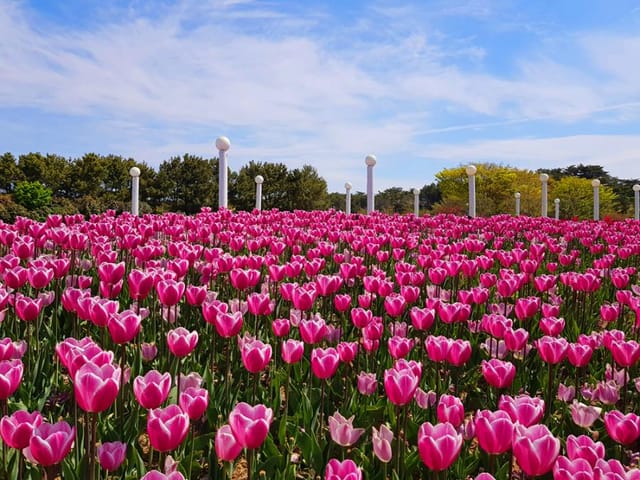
636	188
556	201
370	160
223	143
416	191
517	194
259	179
471	170
134	171
595	183
348	185
544	177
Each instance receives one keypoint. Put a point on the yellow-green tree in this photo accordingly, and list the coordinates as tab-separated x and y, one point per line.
576	198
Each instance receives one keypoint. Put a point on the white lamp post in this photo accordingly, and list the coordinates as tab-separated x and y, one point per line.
347	206
636	195
471	173
416	202
222	144
517	204
259	181
557	203
544	178
370	162
595	183
135	188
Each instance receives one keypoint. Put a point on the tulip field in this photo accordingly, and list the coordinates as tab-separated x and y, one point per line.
319	345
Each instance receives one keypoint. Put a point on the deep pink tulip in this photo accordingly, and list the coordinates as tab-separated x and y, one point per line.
111	272
552	350
459	352
39	278
149	351
256	356
244	279
228	324
28	309
124	326
399	347
361	317
10	377
625	353
324	362
292	350
579	355
17	428
394	305
624	429
260	304
347	351
535	449
552	326
111	455
170	292
303	298
167	427
516	340
437	348
345	470
422	318
194	401
526	307
157	475
226	445
181	341
523	409
281	327
152	389
572	469
50	443
140	284
312	331
566	393
494	431
381	440
450	409
498	373
400	385
96	387
196	294
250	424
439	445
342	302
101	310
584	447
609	312
342	430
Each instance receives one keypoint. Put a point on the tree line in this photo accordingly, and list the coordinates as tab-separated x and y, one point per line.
36	185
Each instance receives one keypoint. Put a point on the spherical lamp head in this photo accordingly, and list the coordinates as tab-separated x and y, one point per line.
544	177
471	170
595	183
134	171
259	179
636	188
517	194
348	186
370	160
223	144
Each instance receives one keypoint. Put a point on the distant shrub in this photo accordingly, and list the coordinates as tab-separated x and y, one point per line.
32	195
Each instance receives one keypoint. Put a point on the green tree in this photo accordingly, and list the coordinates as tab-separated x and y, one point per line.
429	195
86	176
394	200
187	183
242	188
32	195
10	173
306	190
576	198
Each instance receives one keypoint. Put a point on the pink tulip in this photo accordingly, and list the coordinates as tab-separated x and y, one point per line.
566	393
140	284
170	292
226	445
149	351
124	327
111	455
250	424
425	399
345	470
312	331
342	431
450	409
624	429
494	431
552	350
167	427
584	415
381	440
367	383
50	443
181	341
498	373
347	351
196	295
281	327
439	445
292	350
157	475
256	356
625	353
523	409
152	389
399	347
244	279
324	362
584	447
437	348
194	401
96	387
579	355
39	278
16	429
260	304
10	377
535	449
516	340
27	309
422	318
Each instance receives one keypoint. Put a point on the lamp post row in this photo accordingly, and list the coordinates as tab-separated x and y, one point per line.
223	144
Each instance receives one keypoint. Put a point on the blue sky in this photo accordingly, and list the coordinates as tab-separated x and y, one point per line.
423	85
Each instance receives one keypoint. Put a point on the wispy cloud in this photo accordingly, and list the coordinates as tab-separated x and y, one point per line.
302	83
